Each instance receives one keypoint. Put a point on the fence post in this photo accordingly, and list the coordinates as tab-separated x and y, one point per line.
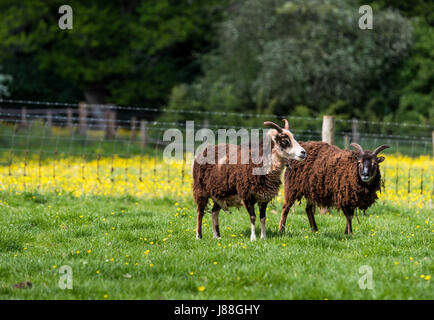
433	142
23	117
355	136
346	142
49	118
328	129
110	130
82	118
133	128
143	131
69	120
328	135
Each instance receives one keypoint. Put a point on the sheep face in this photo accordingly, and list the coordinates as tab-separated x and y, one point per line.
368	167
284	145
368	162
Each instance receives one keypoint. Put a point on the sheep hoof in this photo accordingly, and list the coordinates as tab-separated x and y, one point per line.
253	238
198	236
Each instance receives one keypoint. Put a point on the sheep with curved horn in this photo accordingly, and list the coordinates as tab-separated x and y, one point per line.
332	177
235	185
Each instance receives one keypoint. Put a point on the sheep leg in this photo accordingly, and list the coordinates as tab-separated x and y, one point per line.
262	216
250	207
349	216
215	211
201	205
310	211
283	216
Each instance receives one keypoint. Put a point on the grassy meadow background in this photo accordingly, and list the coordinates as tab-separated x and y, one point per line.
130	234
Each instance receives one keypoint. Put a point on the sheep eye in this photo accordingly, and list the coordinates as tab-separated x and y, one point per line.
284	143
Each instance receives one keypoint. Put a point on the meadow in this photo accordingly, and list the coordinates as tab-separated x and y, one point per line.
126	227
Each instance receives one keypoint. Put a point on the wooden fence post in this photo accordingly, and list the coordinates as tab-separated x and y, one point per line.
328	129
355	134
49	122
328	135
69	121
133	128
23	117
433	143
110	127
346	142
82	118
143	132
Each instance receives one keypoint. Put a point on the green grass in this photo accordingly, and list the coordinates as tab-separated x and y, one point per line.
38	232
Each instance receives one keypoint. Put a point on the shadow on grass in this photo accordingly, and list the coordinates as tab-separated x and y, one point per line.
274	233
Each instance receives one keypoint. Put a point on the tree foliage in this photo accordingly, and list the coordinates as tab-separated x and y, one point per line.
423	9
4	81
298	57
120	51
304	53
415	80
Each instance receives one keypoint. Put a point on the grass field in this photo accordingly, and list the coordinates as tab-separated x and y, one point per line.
126	227
131	248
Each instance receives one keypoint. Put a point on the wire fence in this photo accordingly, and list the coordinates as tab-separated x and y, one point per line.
108	149
412	139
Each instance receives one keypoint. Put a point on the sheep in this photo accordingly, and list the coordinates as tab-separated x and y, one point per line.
332	177
235	185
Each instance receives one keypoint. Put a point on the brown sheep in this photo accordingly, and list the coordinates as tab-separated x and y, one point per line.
332	177
235	185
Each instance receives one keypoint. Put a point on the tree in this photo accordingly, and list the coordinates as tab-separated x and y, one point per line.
415	80
304	53
4	81
118	51
415	8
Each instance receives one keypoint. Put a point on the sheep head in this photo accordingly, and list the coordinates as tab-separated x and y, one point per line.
368	161
284	144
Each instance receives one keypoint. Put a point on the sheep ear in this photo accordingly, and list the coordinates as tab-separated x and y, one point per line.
286	124
380	159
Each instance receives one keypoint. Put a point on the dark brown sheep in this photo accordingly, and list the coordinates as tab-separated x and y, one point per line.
235	185
332	177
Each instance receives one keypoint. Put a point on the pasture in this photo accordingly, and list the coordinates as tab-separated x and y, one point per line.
130	234
103	107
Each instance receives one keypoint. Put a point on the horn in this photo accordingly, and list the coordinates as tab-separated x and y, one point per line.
273	125
358	147
286	124
381	148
